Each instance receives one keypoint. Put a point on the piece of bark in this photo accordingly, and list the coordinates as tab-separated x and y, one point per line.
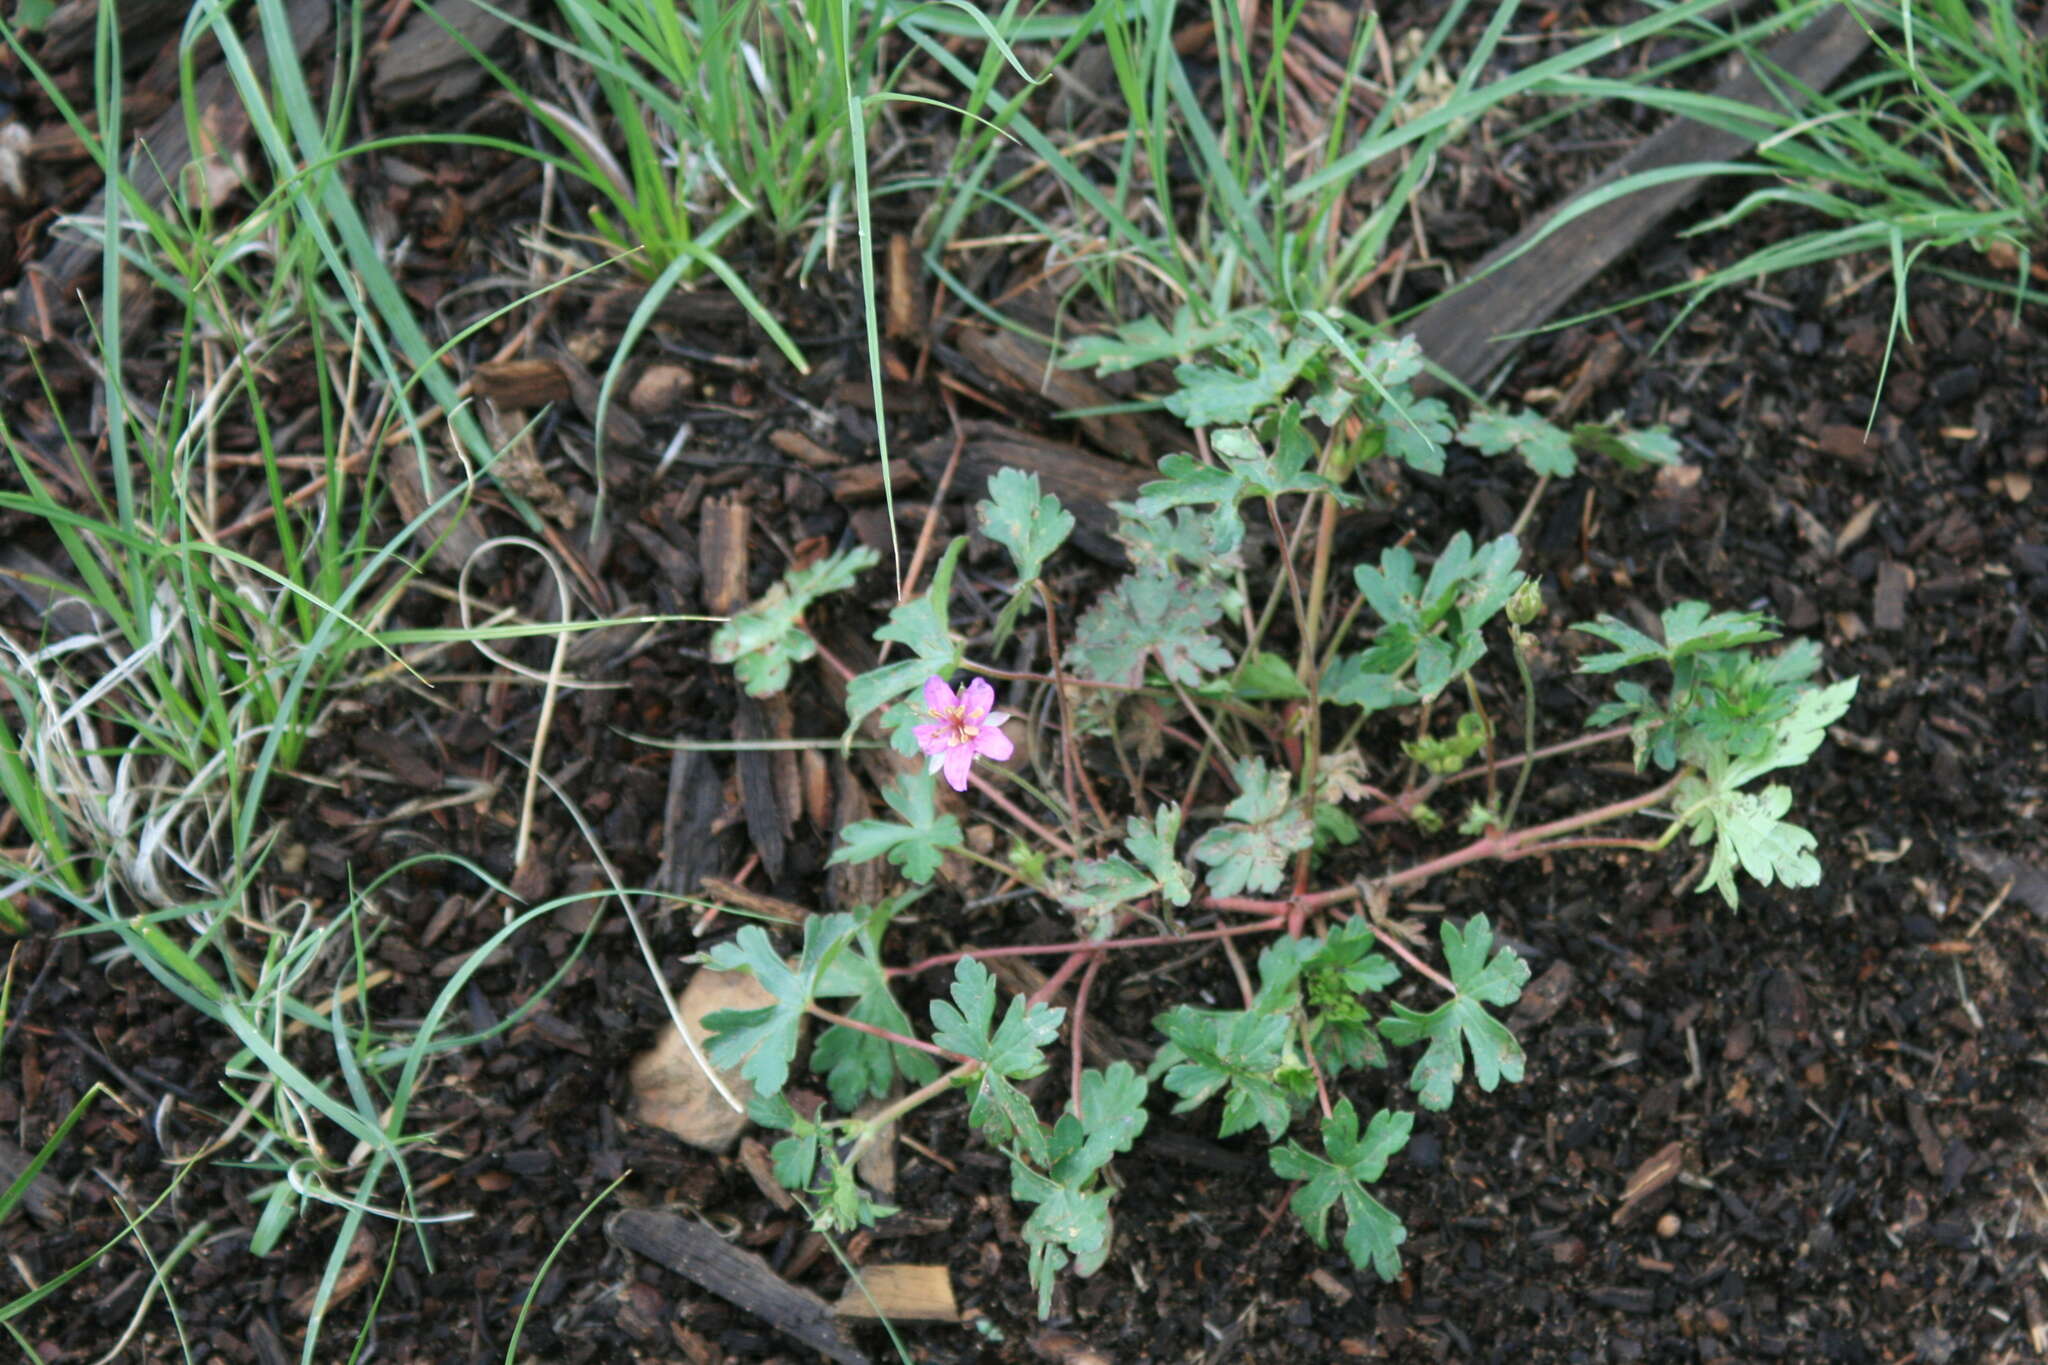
858	483
429	62
722	554
695	800
754	902
741	1278
1894	586
905	311
1011	360
44	1197
1085	483
164	151
1469	333
1650	1179
757	788
670	1091
529	383
452	529
912	1293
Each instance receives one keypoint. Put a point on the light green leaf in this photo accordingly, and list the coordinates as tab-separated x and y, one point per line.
1026	524
1463	1021
1373	1235
917	845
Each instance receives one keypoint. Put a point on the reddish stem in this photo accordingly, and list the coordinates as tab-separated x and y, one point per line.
900	1039
1084	948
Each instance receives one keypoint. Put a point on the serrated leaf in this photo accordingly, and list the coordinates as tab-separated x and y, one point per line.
1187	482
1098	885
1151	615
1689	628
1012	1051
918	844
762	1043
1272	469
1391	362
762	642
1416	431
1112	1116
1018	518
1151	842
1749	830
1544	447
1373	1235
1629	449
1144	340
1260	374
1463	1021
858	1065
1266	827
1205	541
1241	1054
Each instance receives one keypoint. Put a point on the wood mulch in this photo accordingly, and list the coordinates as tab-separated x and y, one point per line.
1810	1131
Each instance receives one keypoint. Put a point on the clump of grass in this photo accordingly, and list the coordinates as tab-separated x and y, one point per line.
1281	193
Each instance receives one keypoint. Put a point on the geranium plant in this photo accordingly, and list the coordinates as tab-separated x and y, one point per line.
1284	701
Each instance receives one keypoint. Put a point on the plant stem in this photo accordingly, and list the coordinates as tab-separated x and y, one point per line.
1083	946
901	1040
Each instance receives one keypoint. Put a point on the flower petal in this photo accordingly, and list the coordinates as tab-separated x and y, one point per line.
934	739
978	698
994	718
938	697
956	764
993	745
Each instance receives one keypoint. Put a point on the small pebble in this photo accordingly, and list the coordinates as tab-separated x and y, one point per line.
1667	1226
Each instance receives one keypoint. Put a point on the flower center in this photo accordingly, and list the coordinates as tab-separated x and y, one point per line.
954	718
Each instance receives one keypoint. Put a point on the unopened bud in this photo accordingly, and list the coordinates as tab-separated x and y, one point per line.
1527	603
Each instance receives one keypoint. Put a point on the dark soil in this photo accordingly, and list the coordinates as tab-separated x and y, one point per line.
1851	1076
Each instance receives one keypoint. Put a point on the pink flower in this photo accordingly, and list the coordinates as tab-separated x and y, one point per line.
963	729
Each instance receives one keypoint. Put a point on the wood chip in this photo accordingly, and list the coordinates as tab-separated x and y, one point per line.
722	554
1525	281
1011	360
1894	585
43	1197
1652	1177
921	1293
754	902
741	1278
905	317
1544	996
1330	1284
862	482
526	383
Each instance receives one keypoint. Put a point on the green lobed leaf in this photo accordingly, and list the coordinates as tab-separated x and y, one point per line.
1012	1051
1545	447
1373	1235
762	1043
762	642
1019	519
1144	340
1463	1020
1151	615
1256	375
1265	828
1240	1054
1416	431
917	845
1689	628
